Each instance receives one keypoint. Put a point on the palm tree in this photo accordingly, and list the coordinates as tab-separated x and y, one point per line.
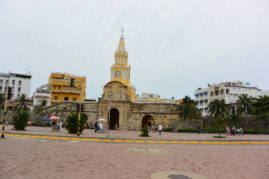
188	109
244	106
22	104
21	113
261	109
219	111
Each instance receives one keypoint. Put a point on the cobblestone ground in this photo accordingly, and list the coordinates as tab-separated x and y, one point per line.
134	134
33	158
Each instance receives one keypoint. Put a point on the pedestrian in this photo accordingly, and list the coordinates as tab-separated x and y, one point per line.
53	125
160	127
101	127
150	127
199	130
116	126
95	127
241	131
61	125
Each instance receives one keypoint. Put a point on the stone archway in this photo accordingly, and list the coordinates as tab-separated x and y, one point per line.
114	118
147	121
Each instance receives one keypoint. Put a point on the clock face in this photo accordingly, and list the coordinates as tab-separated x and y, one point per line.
117	73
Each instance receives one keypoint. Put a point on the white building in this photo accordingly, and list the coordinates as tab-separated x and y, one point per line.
42	93
228	91
19	83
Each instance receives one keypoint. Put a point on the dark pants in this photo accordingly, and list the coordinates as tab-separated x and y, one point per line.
160	132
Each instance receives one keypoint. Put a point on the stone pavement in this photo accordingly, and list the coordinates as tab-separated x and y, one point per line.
133	137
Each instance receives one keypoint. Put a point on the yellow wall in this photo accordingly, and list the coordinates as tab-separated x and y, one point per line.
60	88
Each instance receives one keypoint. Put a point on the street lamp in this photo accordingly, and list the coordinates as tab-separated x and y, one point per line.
109	108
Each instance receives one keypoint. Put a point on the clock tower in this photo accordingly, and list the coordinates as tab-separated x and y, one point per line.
120	70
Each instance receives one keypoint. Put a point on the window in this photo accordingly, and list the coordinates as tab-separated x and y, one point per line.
0	88
18	96
74	99
6	81
13	82
64	88
1	82
56	98
19	89
12	89
54	87
20	83
123	60
211	93
59	87
216	92
221	91
119	60
227	91
65	98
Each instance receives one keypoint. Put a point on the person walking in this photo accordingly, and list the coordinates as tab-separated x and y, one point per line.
160	127
53	125
95	127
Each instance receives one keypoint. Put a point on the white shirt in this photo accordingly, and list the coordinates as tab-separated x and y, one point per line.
160	127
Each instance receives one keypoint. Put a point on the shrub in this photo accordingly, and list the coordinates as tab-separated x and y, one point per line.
145	132
167	129
72	123
20	119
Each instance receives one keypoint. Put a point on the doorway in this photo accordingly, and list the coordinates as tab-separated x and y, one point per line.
114	119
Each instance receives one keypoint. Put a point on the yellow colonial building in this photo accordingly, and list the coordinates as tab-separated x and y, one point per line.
61	90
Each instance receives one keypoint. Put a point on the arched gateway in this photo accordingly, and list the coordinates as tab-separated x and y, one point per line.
114	118
147	120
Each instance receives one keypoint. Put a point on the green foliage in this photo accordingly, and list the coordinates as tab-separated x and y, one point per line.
20	119
21	113
219	136
167	129
145	132
219	111
188	109
261	111
72	123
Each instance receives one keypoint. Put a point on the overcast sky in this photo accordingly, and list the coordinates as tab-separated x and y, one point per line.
174	46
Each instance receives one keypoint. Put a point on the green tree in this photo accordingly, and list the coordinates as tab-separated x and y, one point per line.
261	110
22	104
188	109
219	111
145	132
244	107
21	113
72	122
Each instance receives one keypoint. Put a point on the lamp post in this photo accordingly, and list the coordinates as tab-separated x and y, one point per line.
109	108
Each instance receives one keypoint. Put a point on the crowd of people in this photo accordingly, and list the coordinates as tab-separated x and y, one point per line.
233	131
56	126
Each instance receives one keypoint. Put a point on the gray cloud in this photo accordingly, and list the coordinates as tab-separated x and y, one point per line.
174	46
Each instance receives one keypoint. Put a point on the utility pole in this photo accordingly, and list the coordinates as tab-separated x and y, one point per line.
5	113
109	108
79	112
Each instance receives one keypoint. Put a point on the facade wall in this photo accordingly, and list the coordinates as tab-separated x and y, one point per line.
61	90
19	83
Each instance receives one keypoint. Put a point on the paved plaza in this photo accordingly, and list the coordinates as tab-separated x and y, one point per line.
134	134
23	157
34	158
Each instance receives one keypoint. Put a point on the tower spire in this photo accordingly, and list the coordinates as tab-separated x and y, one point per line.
121	47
